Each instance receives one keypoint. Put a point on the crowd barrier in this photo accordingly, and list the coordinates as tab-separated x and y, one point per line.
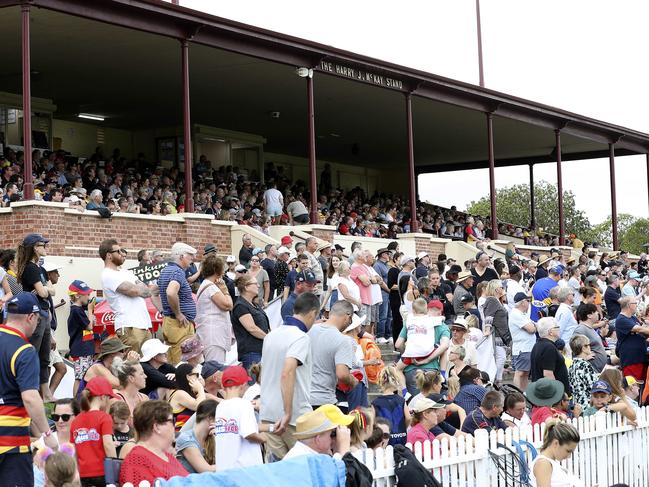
610	452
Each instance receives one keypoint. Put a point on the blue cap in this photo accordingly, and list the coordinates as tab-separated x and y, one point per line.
79	287
257	250
634	275
557	269
306	276
23	303
211	367
33	238
600	386
520	296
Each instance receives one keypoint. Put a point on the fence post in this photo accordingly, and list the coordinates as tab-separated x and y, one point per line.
482	452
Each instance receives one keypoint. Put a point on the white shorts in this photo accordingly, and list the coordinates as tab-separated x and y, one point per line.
55	357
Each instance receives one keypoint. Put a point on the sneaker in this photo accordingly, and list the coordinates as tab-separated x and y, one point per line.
381	340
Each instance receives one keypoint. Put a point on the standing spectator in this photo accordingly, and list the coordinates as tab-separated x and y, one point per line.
523	332
282	270
178	306
64	411
92	432
347	289
302	265
268	263
542	288
612	297
395	297
464	284
482	271
361	276
487	416
236	431
565	315
513	286
495	318
631	340
125	294
324	258
213	306
331	355
383	332
630	288
259	273
151	458
82	343
305	281
143	257
581	373
273	202
286	362
19	384
249	322
314	263
546	360
33	279
245	253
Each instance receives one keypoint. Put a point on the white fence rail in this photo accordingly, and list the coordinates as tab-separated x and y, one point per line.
610	452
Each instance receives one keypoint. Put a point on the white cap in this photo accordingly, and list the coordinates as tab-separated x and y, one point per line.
231	258
421	255
73	199
180	248
407	258
151	348
283	250
240	268
356	322
49	266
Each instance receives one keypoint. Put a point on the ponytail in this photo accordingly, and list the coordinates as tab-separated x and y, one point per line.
556	429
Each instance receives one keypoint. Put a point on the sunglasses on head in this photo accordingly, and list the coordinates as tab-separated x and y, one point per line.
64	417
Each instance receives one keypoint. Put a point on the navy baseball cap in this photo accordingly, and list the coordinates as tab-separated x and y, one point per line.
34	238
23	303
211	367
306	276
521	297
600	386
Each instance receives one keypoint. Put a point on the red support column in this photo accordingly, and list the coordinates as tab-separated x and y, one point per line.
492	175
562	230
414	228
647	175
532	202
313	183
611	165
187	129
28	185
479	31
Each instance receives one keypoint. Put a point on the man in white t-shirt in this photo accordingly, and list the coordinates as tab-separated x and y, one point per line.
125	294
273	201
523	333
514	285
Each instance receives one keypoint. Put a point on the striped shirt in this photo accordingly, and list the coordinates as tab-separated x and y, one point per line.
19	372
173	272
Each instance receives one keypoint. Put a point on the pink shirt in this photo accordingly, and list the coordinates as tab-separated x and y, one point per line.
366	291
419	434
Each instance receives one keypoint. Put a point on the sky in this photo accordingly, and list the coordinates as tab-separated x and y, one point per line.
584	56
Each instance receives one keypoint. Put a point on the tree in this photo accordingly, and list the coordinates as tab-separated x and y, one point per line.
513	206
632	233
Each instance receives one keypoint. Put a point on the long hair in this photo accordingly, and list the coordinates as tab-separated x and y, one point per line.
24	255
555	429
182	372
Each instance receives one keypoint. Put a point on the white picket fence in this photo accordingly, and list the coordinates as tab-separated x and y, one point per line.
610	452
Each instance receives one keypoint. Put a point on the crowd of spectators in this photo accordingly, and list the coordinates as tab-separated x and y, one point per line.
115	184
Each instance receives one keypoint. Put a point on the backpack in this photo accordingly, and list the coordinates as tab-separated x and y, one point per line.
390	407
356	473
409	471
371	351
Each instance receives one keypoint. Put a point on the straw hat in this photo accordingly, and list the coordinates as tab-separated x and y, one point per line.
463	275
325	418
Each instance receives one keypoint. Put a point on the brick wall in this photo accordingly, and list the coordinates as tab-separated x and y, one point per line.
324	234
79	234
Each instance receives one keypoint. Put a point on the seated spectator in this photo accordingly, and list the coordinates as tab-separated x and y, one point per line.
195	446
192	351
151	459
313	432
361	428
632	392
515	414
471	392
600	403
187	395
159	374
426	414
545	395
560	439
487	416
581	373
109	350
131	380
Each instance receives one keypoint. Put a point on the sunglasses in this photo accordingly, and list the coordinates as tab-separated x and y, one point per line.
121	251
64	417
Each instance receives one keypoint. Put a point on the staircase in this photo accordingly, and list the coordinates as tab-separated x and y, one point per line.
389	356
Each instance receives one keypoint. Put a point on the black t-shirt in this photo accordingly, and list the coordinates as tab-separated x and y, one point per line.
245	254
32	274
393	276
81	344
157	377
488	275
245	341
440	294
545	356
269	266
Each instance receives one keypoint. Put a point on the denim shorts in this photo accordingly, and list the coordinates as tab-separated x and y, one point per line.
522	362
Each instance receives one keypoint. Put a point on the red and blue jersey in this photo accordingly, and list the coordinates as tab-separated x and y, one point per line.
19	372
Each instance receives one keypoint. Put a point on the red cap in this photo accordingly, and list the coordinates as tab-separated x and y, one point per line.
235	376
436	303
99	386
286	240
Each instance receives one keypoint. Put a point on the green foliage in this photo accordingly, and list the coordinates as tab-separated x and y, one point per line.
513	206
632	232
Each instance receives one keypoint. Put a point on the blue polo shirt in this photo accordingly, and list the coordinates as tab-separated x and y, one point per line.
477	420
631	347
540	291
287	307
19	372
173	272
